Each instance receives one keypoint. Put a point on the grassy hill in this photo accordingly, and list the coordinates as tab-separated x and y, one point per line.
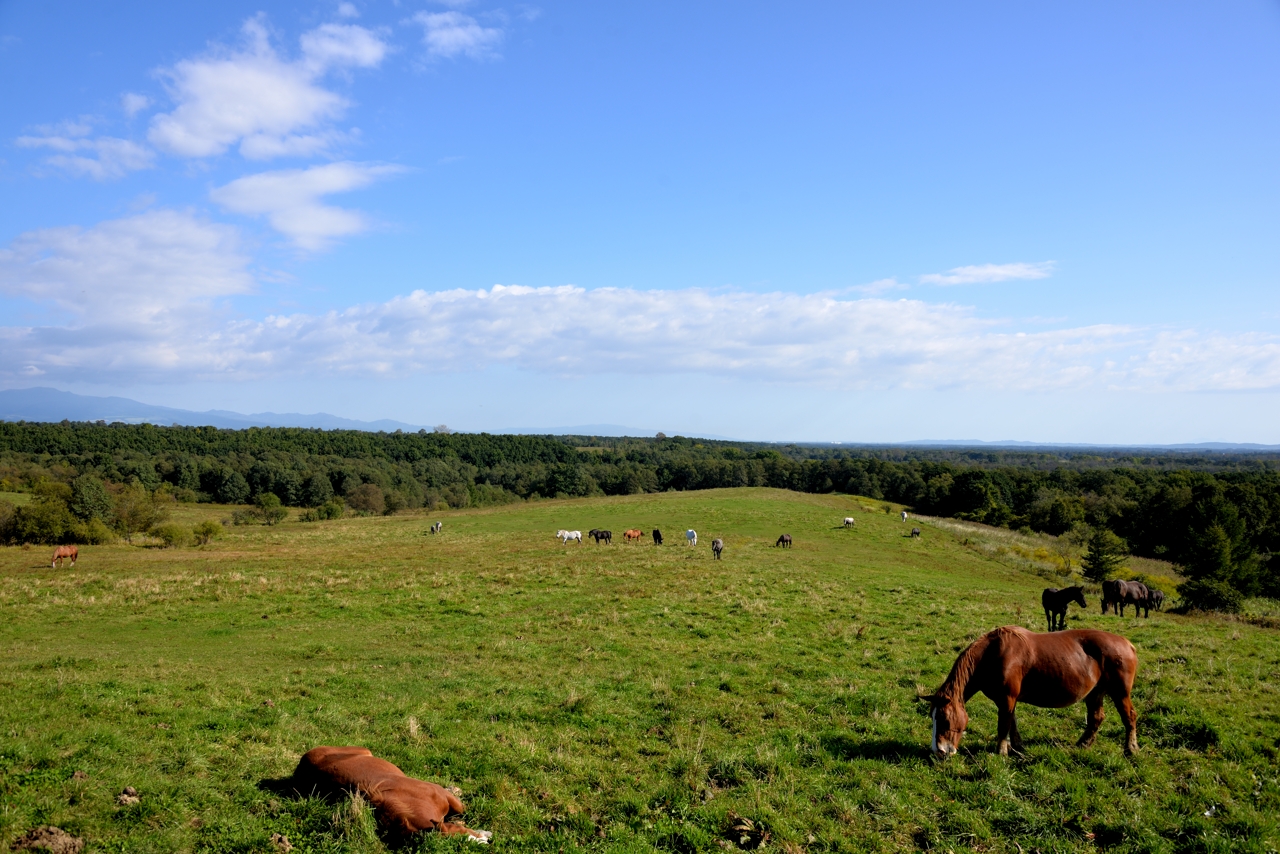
611	698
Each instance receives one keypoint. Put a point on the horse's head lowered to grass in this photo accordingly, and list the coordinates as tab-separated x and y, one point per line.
950	719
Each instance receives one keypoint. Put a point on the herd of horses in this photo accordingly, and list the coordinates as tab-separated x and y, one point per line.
635	535
1055	669
1115	595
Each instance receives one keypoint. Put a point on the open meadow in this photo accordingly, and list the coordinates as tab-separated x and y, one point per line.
612	698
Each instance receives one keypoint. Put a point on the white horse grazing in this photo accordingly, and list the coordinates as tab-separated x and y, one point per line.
848	521
904	515
692	536
566	536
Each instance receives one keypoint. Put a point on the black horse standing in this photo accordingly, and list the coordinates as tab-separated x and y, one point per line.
1055	603
657	537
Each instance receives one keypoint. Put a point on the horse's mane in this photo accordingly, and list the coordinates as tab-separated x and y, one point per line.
967	662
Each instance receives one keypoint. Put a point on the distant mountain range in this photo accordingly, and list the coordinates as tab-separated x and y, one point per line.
1012	444
48	404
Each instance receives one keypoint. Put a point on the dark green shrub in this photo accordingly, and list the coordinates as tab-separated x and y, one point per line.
1208	594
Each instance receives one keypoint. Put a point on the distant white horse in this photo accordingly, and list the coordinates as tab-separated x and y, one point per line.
848	521
692	536
904	515
435	529
566	536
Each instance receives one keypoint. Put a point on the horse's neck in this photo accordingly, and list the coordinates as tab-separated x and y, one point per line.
962	682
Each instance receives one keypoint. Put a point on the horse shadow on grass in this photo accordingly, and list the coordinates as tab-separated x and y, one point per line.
290	789
847	746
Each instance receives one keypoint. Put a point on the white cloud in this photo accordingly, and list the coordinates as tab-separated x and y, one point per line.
133	103
151	273
348	10
101	158
979	273
880	286
290	199
450	34
134	269
270	106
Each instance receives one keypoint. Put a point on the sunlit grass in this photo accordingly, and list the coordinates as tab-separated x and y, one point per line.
609	697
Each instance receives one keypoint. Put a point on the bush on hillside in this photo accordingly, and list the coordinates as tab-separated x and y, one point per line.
268	508
171	534
1206	594
206	532
367	498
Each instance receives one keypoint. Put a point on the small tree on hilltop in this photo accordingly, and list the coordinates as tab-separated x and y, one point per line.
1106	553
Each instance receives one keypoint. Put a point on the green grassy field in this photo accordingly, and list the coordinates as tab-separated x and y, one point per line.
614	698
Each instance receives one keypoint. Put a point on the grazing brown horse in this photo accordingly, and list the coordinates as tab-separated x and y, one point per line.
1117	594
1054	671
632	534
1055	604
784	541
403	805
62	553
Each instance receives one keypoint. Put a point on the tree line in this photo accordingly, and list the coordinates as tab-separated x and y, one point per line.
1215	515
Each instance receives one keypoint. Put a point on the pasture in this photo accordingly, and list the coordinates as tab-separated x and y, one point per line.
620	697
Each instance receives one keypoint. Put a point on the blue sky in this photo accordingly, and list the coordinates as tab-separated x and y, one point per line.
857	222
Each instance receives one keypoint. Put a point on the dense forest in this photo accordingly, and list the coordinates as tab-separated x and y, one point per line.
1216	515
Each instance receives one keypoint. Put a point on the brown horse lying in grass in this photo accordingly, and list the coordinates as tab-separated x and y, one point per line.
403	805
1050	670
62	553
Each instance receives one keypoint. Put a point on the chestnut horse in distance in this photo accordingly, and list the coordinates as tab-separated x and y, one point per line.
62	553
1052	670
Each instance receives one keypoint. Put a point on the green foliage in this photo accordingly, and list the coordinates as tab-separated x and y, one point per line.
94	532
1210	594
206	532
88	498
1106	552
172	535
137	510
268	508
367	498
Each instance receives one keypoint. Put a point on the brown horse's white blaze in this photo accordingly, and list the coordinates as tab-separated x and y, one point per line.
1057	670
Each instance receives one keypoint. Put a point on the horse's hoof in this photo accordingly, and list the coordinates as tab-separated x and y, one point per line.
480	836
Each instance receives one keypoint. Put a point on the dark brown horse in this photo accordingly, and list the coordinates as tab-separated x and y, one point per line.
1054	671
784	541
63	553
1055	604
1117	594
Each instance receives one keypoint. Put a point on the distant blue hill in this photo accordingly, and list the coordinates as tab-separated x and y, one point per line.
1013	444
48	404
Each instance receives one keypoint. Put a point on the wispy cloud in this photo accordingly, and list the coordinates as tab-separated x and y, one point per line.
132	103
134	269
102	157
880	286
271	106
451	34
290	199
981	273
